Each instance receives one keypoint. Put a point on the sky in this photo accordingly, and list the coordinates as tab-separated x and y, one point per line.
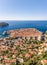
23	9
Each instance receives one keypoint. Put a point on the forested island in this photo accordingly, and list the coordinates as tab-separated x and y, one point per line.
3	24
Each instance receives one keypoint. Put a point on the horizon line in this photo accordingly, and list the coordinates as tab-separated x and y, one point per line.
23	20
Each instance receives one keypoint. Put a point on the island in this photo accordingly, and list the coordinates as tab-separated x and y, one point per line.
24	47
3	24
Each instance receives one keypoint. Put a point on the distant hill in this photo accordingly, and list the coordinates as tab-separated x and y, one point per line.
3	24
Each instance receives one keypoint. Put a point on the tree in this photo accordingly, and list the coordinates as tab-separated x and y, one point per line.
45	36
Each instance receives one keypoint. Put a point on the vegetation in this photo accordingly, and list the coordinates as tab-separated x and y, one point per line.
2	24
29	51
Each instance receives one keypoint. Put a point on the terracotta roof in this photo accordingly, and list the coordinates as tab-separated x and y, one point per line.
32	32
44	62
10	61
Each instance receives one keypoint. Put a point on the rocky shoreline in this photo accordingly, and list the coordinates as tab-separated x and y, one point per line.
27	32
3	24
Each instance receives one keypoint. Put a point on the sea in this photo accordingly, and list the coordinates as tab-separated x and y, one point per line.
13	25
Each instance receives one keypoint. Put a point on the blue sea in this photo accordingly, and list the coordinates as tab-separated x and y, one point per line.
40	25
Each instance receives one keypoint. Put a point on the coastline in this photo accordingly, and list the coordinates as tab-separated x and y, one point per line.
39	25
6	33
